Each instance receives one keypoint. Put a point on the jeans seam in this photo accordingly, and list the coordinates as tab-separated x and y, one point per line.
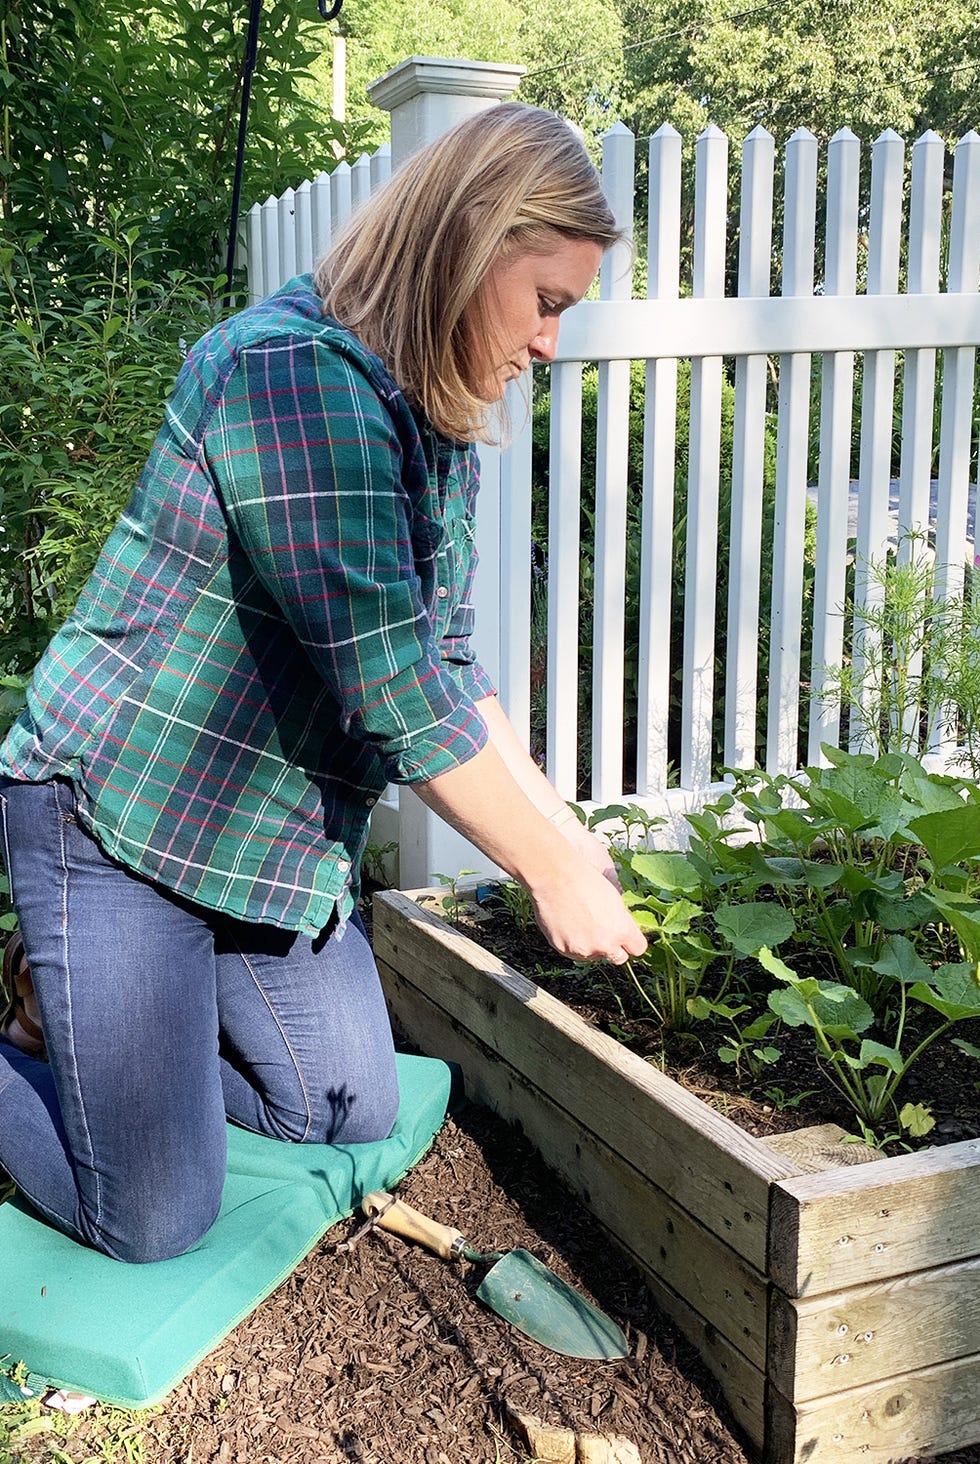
297	1068
70	1024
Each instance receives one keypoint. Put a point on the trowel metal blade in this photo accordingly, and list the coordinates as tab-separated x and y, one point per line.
529	1296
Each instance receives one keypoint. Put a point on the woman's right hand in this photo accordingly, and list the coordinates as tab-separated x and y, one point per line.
579	910
582	914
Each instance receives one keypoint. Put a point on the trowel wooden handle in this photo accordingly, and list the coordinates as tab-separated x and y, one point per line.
410	1224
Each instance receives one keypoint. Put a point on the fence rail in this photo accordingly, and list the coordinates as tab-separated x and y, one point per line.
872	337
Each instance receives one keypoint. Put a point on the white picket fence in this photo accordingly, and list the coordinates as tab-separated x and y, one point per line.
284	235
895	271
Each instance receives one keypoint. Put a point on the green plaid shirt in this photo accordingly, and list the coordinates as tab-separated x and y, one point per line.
277	627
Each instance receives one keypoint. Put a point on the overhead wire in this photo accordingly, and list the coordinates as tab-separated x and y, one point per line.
695	25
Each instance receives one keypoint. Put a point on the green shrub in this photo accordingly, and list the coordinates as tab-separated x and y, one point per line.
88	362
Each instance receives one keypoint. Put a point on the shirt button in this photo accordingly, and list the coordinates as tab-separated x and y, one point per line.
370	801
343	865
442	592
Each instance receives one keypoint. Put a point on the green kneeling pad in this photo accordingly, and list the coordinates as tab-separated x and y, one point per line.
128	1333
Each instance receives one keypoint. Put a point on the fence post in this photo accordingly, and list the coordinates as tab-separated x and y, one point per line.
425	96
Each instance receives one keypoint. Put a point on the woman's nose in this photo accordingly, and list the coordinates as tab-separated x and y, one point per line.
545	343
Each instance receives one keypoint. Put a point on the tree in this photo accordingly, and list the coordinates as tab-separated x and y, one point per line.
549	37
103	113
117	144
821	64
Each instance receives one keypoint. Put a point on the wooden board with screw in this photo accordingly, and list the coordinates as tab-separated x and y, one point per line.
848	1226
866	1334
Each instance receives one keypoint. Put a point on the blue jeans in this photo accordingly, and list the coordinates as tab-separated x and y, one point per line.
161	1018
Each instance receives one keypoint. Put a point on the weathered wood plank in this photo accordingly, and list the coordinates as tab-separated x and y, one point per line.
820	1146
730	1295
846	1227
743	1384
712	1168
868	1333
928	1412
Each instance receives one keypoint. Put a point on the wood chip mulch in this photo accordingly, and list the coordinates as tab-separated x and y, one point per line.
378	1353
381	1355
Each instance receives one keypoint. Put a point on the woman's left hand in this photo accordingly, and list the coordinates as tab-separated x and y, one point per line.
591	848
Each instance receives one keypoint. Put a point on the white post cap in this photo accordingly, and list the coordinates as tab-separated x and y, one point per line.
426	95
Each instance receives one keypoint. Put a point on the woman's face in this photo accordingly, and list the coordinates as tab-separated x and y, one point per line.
522	298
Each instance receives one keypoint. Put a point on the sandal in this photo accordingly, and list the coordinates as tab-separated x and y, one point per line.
15	986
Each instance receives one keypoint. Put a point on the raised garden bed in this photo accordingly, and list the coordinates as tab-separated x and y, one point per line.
838	1304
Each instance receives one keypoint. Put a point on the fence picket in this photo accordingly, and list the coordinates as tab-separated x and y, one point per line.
748	460
272	270
286	215
659	443
834	472
380	167
792	444
919	376
564	507
340	197
956	426
360	181
877	404
253	254
320	214
515	561
704	454
612	443
304	228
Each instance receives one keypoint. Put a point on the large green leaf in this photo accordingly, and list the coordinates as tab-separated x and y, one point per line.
753	924
889	1057
900	960
949	835
952	990
900	914
666	871
932	793
774	965
839	1010
680	916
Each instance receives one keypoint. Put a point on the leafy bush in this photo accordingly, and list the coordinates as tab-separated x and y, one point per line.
915	659
88	362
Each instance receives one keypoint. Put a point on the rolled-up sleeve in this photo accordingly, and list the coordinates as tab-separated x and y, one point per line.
310	467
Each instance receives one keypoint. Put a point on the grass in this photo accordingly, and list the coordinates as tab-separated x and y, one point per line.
30	1434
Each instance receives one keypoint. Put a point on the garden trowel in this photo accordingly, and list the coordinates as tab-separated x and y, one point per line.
517	1286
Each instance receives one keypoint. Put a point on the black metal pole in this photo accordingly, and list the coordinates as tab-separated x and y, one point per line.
251	49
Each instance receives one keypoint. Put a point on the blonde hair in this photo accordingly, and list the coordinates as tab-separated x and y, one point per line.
405	276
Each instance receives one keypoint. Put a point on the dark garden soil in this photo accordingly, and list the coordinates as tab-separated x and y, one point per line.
792	1093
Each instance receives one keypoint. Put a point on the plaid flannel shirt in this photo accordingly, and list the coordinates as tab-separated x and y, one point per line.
277	627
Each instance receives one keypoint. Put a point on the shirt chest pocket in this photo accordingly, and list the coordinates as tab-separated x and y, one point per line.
453	561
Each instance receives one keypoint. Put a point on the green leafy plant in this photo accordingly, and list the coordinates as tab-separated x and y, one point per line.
866	873
867	1072
86	383
664	892
517	902
744	1044
373	861
914	658
455	903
